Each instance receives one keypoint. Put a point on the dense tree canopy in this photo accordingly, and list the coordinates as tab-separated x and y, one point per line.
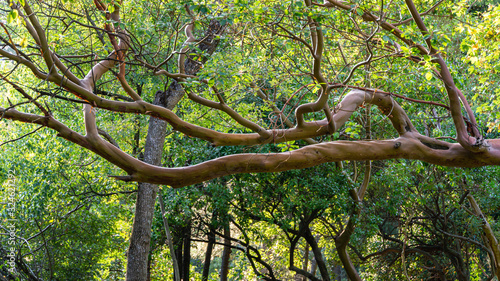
355	139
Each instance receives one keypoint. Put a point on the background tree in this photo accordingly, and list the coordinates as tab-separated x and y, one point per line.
274	86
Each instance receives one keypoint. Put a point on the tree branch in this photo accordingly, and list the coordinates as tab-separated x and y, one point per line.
410	145
454	94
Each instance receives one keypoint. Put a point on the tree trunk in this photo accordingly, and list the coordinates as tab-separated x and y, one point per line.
314	267
317	255
178	255
169	238
140	238
138	251
305	263
337	270
226	254
341	244
208	255
187	252
351	271
342	240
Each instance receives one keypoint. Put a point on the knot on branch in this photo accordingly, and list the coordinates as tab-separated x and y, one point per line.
161	99
435	145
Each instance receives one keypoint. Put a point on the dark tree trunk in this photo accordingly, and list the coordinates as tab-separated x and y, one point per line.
208	255
187	252
341	244
178	254
138	252
346	260
226	254
317	255
342	240
305	262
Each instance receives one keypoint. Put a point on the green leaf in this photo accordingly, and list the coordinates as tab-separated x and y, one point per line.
428	76
12	16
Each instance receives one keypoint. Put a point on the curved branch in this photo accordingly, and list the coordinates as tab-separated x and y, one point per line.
490	235
21	137
368	60
422	14
188	31
311	129
42	39
276	111
318	45
454	94
38	34
404	147
116	57
410	145
37	72
231	112
475	143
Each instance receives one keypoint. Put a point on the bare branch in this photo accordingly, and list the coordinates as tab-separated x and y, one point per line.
454	94
108	137
432	9
182	54
231	112
23	136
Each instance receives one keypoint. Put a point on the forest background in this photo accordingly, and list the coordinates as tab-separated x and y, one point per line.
400	100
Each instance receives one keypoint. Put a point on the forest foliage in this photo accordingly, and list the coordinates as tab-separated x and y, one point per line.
386	218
